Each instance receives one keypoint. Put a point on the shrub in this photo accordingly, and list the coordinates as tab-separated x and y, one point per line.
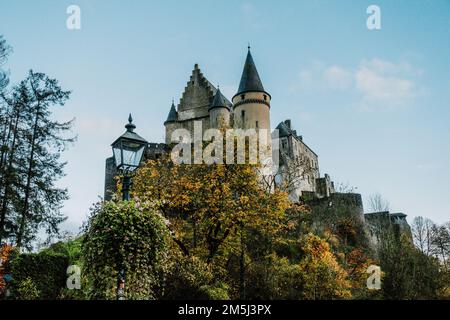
129	235
188	278
41	271
26	290
218	291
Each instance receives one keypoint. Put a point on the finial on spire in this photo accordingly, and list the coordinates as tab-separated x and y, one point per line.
248	46
250	81
130	126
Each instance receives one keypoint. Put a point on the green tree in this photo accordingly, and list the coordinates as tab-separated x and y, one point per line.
409	273
32	143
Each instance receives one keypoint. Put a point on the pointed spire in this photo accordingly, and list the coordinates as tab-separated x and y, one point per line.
130	126
250	80
218	101
173	114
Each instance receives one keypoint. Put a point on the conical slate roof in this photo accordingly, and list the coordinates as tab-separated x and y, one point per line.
250	80
173	114
219	101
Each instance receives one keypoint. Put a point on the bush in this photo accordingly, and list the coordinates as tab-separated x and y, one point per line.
38	275
69	248
189	277
26	290
129	235
218	291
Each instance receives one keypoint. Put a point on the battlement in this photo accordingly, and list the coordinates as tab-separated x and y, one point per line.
384	222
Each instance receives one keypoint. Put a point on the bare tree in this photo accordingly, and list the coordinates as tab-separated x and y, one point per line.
377	203
342	187
440	243
422	231
292	172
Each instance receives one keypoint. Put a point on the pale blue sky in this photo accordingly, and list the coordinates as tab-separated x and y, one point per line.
374	105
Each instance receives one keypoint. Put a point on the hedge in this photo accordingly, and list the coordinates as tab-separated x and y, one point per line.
42	271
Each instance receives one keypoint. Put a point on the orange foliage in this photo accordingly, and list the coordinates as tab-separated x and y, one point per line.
5	252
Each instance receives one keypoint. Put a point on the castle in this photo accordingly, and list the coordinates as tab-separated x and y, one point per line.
250	107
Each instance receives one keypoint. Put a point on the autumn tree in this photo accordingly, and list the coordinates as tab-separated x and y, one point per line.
5	255
215	210
315	275
209	203
321	276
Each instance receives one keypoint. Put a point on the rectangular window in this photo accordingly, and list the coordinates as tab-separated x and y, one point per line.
243	116
257	125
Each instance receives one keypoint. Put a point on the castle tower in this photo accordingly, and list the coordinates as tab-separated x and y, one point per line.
251	104
219	112
171	123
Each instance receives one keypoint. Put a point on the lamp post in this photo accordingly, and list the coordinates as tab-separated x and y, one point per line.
128	151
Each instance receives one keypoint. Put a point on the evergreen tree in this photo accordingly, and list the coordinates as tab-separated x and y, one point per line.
32	143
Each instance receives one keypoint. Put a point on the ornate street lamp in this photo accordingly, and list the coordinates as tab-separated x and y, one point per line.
128	151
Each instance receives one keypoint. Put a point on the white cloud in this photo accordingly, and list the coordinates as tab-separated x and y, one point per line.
385	82
338	78
379	83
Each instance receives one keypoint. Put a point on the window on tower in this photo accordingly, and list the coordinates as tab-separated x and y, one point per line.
243	116
242	96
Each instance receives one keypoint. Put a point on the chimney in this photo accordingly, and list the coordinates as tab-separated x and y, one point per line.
288	123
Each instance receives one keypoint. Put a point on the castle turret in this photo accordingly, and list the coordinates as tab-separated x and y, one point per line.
219	112
251	104
251	108
171	123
